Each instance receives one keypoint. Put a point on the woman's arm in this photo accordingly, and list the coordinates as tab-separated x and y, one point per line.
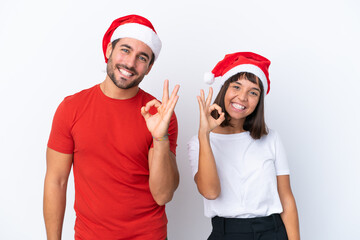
207	179
289	214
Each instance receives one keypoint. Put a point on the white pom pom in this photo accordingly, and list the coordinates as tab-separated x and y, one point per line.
209	78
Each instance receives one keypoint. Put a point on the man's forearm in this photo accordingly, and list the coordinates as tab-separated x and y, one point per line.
164	175
54	208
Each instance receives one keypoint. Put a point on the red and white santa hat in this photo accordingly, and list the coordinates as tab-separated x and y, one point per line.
133	26
241	62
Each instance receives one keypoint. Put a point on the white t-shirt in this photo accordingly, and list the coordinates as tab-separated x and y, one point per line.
247	170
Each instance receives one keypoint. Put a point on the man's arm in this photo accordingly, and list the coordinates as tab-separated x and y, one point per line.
164	174
289	214
56	179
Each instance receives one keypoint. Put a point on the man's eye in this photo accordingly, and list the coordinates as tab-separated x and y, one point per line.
143	58
125	50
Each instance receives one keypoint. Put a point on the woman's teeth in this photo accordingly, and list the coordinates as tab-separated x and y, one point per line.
238	106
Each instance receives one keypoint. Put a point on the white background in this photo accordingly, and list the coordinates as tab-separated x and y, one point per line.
51	49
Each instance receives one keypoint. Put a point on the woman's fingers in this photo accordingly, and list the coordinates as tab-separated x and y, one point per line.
200	102
202	94
220	119
209	97
215	107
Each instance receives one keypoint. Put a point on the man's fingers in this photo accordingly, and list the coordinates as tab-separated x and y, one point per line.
175	91
170	106
165	97
144	113
152	103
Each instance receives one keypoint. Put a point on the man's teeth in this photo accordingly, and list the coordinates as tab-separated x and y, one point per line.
238	106
126	73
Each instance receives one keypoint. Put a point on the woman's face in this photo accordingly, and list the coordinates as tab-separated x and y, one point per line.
241	99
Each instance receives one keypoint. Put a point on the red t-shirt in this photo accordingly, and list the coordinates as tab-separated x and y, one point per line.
110	143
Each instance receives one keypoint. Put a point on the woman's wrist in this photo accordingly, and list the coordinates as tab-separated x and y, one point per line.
203	134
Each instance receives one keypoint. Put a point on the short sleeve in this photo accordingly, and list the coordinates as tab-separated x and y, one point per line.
281	162
193	154
173	133
61	139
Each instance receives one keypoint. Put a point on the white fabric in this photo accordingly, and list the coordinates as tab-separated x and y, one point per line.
139	32
247	169
247	68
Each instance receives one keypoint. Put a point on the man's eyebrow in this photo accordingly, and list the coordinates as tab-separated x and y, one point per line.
129	47
125	45
145	54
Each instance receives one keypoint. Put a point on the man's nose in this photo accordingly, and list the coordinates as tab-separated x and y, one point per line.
130	60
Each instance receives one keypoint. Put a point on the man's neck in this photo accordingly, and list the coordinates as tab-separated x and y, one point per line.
112	91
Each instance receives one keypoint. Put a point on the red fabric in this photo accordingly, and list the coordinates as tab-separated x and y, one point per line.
121	21
235	59
110	143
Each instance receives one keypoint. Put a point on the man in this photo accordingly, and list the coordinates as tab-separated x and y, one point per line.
121	143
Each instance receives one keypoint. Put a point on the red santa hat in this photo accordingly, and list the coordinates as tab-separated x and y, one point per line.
241	62
133	26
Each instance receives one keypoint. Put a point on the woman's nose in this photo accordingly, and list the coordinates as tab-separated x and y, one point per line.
242	95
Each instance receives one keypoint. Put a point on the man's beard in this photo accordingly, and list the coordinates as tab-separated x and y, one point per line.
122	83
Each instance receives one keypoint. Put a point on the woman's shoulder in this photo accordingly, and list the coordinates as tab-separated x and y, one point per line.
272	132
272	135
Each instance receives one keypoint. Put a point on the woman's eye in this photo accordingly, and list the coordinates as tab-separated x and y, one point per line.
254	93
236	87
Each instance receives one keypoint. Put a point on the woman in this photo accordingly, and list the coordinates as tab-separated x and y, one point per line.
239	165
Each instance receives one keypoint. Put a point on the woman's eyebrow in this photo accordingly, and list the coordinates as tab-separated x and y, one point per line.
254	88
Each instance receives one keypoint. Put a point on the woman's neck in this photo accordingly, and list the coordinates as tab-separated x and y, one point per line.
228	130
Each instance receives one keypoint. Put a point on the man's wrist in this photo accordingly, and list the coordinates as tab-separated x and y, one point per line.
163	138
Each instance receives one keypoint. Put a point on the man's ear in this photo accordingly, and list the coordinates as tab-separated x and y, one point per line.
108	50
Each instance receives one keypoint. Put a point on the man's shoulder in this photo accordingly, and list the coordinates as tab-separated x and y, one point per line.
81	95
146	95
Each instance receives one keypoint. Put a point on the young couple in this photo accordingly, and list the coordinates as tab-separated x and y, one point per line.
121	143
